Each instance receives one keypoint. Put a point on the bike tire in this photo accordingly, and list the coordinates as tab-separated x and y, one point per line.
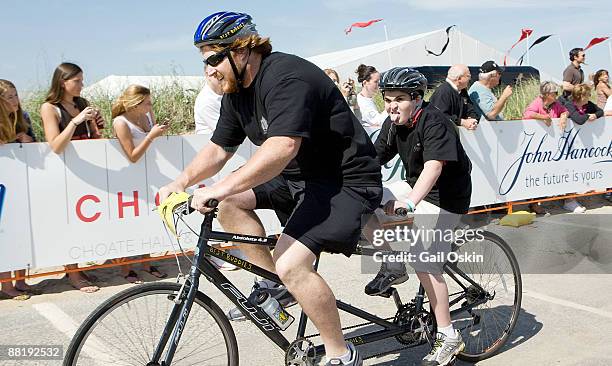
124	297
498	343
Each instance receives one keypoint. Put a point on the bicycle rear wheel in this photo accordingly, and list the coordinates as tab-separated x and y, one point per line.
125	330
486	327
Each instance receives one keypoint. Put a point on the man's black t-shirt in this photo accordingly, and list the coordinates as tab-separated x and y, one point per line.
292	97
455	104
434	137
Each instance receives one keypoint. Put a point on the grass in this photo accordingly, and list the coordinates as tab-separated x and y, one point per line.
522	94
174	104
170	103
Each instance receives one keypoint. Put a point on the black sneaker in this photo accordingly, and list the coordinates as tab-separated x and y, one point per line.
279	292
387	276
356	359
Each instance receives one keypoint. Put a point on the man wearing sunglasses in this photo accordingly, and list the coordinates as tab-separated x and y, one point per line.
316	166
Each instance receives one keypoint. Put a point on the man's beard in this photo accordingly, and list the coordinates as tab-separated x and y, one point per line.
229	83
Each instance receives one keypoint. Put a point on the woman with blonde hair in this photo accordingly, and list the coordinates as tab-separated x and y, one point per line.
134	122
135	128
66	116
19	121
15	126
581	110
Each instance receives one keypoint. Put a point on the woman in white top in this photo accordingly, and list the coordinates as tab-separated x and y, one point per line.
135	128
369	77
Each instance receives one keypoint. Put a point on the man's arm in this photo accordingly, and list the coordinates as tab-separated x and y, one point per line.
209	161
427	179
567	86
500	104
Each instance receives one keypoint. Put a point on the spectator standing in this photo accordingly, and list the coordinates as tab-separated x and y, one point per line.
482	96
581	110
602	87
368	77
544	108
347	89
573	73
66	116
452	99
207	107
135	127
21	123
15	126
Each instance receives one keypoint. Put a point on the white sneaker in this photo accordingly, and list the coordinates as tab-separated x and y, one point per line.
573	206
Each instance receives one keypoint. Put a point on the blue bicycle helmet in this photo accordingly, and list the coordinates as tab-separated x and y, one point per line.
223	28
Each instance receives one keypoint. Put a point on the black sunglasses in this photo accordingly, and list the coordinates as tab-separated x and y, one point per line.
217	58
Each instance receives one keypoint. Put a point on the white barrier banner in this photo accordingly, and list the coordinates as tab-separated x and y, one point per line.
90	203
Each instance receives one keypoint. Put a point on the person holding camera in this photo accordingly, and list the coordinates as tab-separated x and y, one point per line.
135	128
66	116
347	89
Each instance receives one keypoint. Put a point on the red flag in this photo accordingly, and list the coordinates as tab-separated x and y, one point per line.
595	41
524	34
361	25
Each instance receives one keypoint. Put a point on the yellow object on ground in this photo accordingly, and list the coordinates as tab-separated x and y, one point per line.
518	218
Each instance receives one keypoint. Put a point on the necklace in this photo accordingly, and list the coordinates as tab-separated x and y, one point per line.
72	104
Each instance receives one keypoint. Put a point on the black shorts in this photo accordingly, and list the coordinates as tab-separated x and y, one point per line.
323	215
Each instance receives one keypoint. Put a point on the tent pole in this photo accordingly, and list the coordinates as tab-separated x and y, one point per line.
387	46
610	49
562	52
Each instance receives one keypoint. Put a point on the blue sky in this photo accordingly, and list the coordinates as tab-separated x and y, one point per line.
155	37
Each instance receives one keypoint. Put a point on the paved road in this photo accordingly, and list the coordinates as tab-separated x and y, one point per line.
566	316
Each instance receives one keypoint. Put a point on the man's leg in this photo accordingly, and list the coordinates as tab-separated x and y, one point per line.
237	215
294	265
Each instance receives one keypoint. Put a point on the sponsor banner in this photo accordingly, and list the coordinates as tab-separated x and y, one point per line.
91	204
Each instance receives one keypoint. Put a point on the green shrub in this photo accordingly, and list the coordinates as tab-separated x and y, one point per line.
170	103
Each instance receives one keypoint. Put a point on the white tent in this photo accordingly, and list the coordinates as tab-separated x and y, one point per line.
114	85
410	51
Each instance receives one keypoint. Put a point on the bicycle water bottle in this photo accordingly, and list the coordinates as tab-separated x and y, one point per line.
271	306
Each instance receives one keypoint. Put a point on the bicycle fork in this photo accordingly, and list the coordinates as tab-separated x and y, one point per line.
177	320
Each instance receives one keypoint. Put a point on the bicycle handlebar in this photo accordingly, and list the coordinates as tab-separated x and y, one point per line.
211	203
400	211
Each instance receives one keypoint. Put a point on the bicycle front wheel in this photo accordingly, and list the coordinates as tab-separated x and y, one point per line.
126	329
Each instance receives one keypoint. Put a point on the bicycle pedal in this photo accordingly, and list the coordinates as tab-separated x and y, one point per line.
388	293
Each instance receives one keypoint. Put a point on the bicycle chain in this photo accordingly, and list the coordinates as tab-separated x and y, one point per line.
347	328
376	354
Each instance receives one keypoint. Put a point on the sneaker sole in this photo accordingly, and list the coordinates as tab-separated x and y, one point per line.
454	356
398	281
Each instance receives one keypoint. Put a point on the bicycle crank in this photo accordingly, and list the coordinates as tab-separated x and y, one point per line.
301	352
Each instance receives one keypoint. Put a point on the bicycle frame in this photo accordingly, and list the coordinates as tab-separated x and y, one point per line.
178	317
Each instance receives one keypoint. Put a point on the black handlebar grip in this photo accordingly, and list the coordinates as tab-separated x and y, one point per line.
211	203
401	211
